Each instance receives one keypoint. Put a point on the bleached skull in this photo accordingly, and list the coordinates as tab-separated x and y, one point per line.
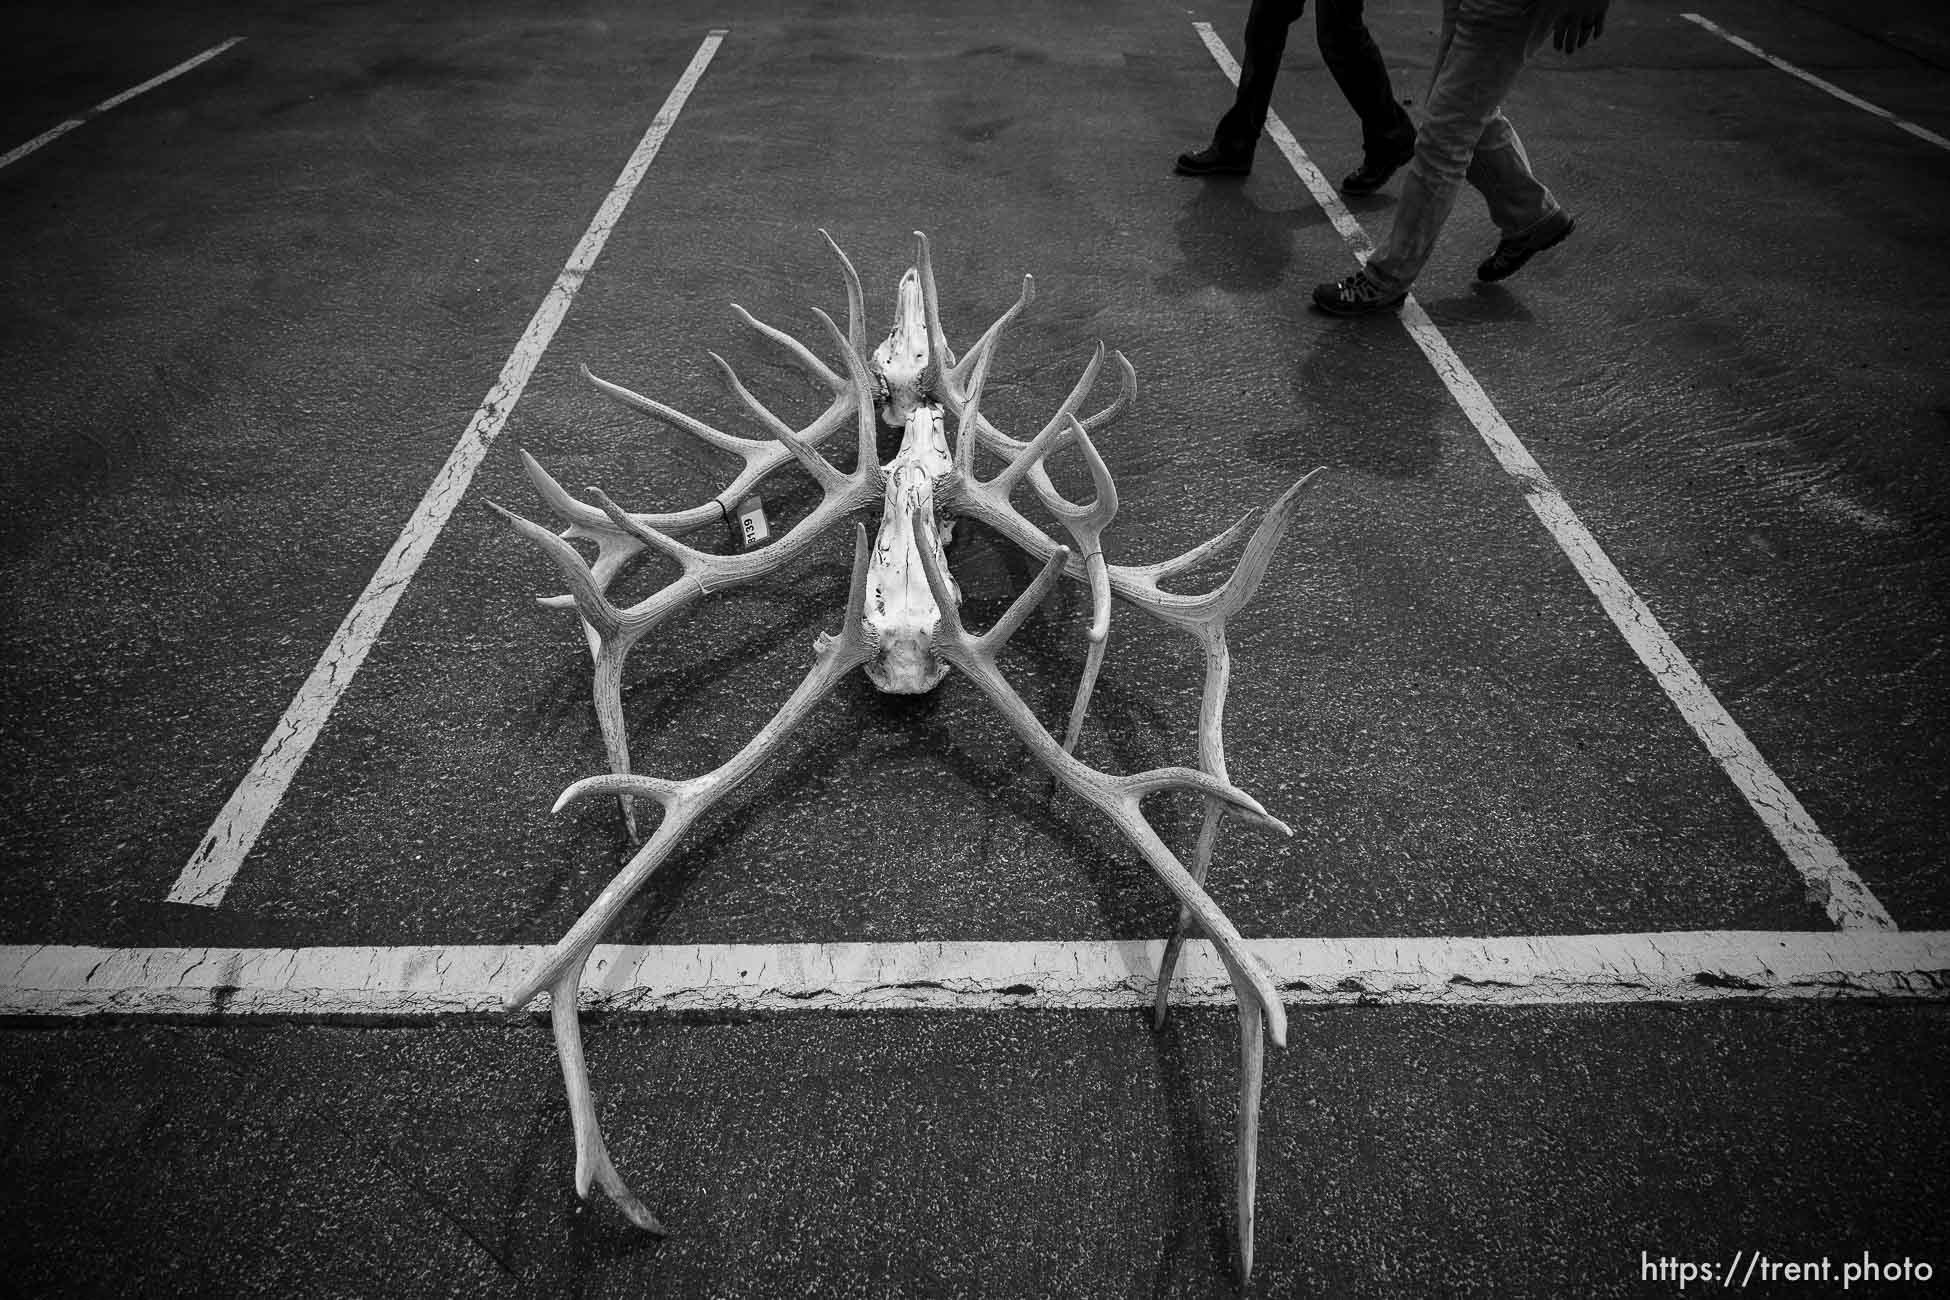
901	365
901	614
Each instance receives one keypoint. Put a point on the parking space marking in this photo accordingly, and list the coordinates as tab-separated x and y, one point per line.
1921	133
1830	880
214	865
52	134
1532	970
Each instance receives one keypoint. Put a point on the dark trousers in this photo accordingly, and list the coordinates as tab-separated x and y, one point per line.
1351	56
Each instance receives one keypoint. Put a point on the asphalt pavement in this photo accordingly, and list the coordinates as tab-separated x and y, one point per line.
249	311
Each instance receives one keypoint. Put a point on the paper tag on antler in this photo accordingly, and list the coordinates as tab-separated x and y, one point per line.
751	528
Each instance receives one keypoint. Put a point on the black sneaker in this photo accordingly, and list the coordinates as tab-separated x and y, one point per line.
1216	160
1511	254
1356	296
1374	171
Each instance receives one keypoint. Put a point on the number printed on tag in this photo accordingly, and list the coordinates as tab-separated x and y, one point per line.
752	528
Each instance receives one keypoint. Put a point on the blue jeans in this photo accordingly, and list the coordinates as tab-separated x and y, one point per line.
1465	137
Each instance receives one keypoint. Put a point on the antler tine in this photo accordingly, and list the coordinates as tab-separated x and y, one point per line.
1095	514
956	375
670	415
1139	585
856	311
1197	555
938	348
1005	445
1086	524
1201	616
814	463
589	598
1253	560
992	641
555	496
1058	425
1160	779
704	573
613	549
1127	390
1005	627
811	364
761	456
592	1153
611	633
1025	458
1252	1070
1081	389
670	546
971	416
855	626
1086	521
856	370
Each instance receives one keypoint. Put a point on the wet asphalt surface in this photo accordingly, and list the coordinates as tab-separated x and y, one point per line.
248	314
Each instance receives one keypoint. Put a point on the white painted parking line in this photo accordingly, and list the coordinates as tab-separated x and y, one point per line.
1921	133
1829	879
15	154
214	865
1536	970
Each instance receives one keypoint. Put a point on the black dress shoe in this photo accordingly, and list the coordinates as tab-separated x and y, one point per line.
1216	160
1374	171
1511	254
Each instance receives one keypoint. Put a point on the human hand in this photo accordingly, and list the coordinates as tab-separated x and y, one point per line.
1579	23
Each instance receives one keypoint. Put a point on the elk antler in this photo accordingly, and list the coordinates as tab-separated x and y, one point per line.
613	632
684	802
1204	617
761	456
1118	797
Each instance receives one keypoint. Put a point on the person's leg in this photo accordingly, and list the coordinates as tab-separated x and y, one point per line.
1237	135
1523	208
1481	60
1387	131
1259	67
1500	171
